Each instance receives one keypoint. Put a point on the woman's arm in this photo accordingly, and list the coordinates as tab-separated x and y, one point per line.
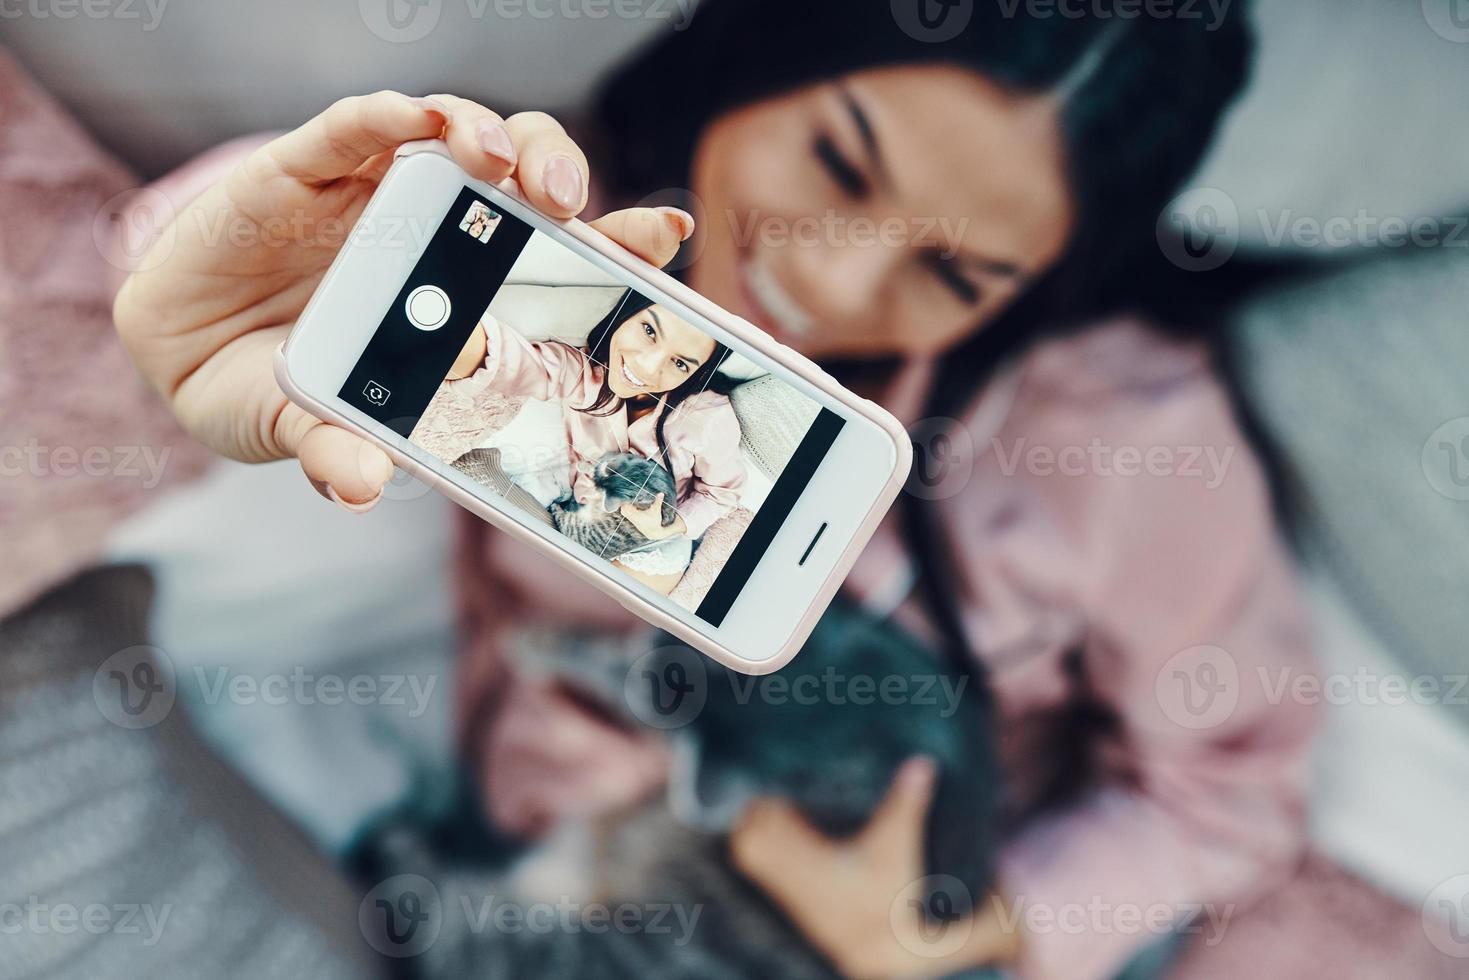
712	434
500	358
1197	631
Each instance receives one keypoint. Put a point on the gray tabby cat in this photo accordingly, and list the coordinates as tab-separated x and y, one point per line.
733	737
621	478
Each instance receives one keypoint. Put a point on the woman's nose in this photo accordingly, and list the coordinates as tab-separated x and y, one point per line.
646	365
842	280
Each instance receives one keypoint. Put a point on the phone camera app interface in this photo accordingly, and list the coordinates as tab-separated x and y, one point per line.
592	409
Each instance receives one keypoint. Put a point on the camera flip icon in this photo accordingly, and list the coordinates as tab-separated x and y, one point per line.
376	394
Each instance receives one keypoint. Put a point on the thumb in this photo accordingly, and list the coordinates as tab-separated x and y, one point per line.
772	837
897	825
342	463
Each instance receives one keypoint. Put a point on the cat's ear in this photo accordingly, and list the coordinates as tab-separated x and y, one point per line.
670	514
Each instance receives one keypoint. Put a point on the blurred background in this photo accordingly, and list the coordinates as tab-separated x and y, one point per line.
309	657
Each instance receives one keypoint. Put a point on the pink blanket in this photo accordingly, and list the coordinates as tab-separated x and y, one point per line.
83	442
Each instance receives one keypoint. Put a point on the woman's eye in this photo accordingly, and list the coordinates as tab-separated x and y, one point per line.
948	272
648	329
682	366
847	176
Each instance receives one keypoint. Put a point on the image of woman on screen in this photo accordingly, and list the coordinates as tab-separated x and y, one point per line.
645	383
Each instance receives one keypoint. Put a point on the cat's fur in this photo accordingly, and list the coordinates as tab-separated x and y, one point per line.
620	478
829	755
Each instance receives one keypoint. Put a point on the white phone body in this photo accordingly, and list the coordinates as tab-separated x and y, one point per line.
367	289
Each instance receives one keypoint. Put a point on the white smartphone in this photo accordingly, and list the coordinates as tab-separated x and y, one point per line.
711	480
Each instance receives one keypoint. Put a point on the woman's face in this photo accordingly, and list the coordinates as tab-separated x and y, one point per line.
890	212
654	352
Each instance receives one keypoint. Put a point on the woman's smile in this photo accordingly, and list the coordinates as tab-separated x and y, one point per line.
632	379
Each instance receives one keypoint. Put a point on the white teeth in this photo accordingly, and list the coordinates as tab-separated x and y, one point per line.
788	314
632	379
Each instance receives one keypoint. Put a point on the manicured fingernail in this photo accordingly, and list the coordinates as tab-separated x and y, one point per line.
494	139
362	508
679	217
428	104
563	182
917	771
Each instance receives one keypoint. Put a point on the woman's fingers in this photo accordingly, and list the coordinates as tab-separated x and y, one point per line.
344	467
652	234
550	167
897	825
771	840
478	139
351	132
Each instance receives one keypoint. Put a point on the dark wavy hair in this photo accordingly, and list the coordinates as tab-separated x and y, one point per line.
705	377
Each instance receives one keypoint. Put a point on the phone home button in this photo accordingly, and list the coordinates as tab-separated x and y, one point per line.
427	307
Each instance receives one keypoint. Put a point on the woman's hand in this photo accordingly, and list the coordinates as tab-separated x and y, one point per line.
472	357
649	520
859	900
219	290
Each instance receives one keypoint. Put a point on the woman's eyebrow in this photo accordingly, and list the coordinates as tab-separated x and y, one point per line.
863	122
654	314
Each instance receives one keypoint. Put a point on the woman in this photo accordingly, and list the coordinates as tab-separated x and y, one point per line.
646	382
1051	144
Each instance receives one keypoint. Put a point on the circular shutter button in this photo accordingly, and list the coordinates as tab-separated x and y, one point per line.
428	307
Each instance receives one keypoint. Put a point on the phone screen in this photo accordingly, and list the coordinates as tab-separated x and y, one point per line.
616	421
